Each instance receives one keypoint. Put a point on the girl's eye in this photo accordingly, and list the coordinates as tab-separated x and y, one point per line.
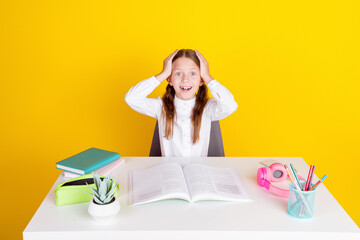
193	73
177	74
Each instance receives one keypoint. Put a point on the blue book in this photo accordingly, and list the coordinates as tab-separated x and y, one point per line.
87	161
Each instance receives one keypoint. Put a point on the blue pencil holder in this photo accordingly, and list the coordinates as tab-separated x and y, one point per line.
301	203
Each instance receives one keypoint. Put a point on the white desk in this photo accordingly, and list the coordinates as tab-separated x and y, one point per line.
266	216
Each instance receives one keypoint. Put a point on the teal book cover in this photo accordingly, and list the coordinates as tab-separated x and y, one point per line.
87	161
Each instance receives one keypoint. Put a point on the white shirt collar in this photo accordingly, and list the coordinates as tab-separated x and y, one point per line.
188	103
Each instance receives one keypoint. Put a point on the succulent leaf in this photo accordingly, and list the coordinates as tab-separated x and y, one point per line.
105	189
109	185
90	194
93	190
102	191
110	195
98	201
97	180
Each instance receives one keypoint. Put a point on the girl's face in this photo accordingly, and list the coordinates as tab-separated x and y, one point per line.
185	78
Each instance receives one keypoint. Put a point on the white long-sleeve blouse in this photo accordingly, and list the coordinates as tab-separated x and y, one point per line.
221	105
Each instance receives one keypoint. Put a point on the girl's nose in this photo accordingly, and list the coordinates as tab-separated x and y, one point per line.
185	79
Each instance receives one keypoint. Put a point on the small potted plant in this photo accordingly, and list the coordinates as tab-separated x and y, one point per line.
104	204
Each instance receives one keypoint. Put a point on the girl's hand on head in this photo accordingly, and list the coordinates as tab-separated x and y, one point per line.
166	72
204	68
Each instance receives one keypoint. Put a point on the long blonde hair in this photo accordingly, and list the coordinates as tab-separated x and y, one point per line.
169	111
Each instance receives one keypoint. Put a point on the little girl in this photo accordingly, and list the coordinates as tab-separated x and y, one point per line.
185	112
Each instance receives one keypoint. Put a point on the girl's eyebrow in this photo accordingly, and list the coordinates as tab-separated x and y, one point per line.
185	69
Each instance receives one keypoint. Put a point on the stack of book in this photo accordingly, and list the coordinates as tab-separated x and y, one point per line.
94	160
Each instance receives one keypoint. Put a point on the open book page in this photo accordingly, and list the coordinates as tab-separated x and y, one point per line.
165	181
213	183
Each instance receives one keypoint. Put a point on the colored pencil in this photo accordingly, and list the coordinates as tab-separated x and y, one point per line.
296	178
317	184
309	178
307	207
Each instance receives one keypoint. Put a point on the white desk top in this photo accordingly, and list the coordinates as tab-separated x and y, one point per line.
266	216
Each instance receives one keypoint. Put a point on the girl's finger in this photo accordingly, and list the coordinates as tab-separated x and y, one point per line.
203	59
173	54
198	53
200	56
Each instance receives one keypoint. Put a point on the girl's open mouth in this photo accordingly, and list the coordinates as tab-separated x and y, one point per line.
185	89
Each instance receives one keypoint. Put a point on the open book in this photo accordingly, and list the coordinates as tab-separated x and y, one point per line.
194	182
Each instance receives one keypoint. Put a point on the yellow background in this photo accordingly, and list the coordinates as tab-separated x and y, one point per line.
65	66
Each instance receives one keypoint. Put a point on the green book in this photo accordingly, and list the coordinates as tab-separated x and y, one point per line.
87	161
